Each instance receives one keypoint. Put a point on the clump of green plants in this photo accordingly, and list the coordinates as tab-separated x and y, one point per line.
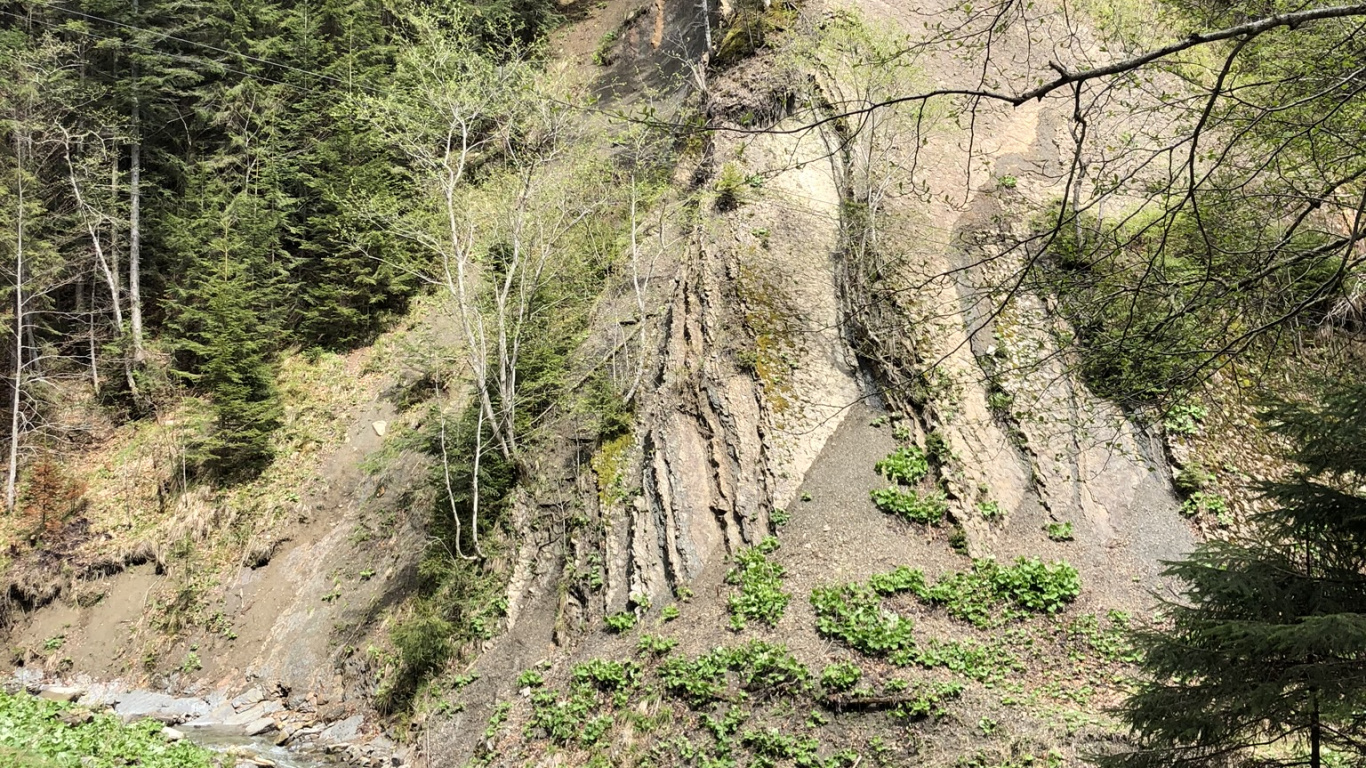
840	676
779	517
990	510
578	716
602	55
937	448
609	676
1059	531
531	678
761	596
654	645
928	701
771	745
758	666
733	187
669	613
1111	641
853	614
32	734
902	579
1192	478
1202	502
1184	419
906	465
927	508
617	623
1030	584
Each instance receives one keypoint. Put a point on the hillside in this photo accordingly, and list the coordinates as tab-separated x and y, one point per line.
709	393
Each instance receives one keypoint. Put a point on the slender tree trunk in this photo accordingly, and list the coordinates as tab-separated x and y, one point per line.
1315	733
16	388
135	221
135	245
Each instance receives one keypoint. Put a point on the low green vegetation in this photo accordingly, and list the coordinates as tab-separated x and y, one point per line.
623	621
906	465
928	700
988	595
1059	531
840	676
33	735
761	596
1204	503
758	667
913	506
583	714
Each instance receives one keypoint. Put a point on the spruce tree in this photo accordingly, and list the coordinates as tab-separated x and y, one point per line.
1263	660
236	370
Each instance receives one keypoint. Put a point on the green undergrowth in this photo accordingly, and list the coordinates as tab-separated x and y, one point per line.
759	703
761	596
32	735
913	506
906	467
988	595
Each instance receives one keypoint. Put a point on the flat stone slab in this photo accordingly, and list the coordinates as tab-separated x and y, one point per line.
343	731
159	706
251	698
61	693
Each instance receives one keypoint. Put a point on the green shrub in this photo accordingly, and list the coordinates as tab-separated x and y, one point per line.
911	505
853	615
1202	502
1192	477
1059	531
654	645
602	55
531	678
990	510
903	579
732	187
761	596
606	675
618	623
840	676
906	465
937	448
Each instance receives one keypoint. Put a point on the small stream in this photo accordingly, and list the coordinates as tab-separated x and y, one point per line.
246	747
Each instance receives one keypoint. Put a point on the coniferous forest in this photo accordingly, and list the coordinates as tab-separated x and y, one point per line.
191	188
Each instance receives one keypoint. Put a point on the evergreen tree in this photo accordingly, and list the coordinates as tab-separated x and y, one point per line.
226	318
1265	657
235	369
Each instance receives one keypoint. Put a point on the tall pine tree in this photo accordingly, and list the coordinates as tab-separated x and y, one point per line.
1264	660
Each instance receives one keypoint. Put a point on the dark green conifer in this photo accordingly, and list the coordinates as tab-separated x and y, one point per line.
1264	656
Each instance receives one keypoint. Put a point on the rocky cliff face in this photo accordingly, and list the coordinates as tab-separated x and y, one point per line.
815	299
